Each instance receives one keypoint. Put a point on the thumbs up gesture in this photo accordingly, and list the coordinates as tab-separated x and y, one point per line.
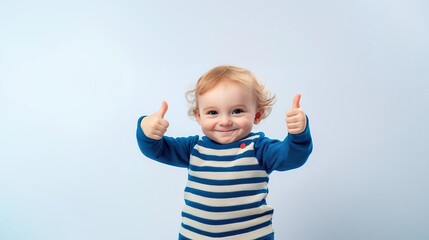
295	117
154	126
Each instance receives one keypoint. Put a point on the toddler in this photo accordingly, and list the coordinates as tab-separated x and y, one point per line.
228	167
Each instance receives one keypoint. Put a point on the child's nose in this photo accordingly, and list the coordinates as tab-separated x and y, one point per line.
225	120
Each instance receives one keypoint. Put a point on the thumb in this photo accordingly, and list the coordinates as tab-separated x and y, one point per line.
163	109
296	100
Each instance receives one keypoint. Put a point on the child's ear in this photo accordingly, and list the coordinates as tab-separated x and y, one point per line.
259	115
197	116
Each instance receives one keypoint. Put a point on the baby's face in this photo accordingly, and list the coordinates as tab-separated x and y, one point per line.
227	112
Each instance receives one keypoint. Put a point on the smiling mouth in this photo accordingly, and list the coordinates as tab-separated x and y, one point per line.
226	130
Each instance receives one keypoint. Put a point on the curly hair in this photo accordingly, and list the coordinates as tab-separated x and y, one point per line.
225	73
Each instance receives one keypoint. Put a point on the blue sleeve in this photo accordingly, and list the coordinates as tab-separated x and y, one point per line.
168	150
284	155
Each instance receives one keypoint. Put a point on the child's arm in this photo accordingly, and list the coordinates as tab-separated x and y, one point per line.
295	149
154	145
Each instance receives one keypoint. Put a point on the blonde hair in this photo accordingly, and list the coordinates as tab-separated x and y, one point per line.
223	73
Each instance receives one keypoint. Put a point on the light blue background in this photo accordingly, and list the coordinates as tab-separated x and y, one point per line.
76	75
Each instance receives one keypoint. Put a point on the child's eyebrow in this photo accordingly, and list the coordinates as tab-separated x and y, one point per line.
209	108
240	106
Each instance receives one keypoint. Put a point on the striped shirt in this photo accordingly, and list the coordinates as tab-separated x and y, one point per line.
225	196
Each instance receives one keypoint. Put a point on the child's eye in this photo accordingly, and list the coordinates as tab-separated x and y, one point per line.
212	112
237	111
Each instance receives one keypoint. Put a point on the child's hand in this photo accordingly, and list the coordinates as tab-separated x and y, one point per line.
295	117
154	126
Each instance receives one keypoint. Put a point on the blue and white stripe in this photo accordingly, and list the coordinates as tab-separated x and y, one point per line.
225	194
